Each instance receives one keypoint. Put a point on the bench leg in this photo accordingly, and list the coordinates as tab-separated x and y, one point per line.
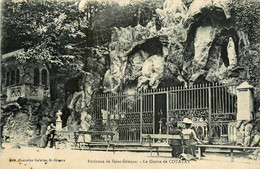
151	152
157	149
232	155
89	147
199	153
108	146
113	149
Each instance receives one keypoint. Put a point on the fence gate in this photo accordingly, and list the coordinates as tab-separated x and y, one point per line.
223	110
126	115
211	108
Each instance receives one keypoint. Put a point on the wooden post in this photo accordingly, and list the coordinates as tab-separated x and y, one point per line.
141	117
199	153
210	114
232	155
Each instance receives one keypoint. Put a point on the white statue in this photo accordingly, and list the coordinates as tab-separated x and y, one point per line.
231	51
58	121
58	114
85	121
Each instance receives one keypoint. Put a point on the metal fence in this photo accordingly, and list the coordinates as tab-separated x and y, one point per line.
210	106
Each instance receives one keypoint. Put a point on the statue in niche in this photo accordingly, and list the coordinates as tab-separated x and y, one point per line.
231	52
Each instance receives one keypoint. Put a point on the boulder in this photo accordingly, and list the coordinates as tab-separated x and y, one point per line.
203	41
240	138
197	6
255	140
173	11
248	129
16	128
152	72
247	141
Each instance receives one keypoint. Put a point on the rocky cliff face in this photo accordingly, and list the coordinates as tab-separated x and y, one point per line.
196	43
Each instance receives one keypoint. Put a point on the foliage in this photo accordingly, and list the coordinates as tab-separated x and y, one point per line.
245	14
246	17
73	42
114	15
250	60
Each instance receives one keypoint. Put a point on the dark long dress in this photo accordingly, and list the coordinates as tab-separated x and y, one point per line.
175	144
192	142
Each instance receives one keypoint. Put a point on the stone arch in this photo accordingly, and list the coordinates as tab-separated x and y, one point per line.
223	38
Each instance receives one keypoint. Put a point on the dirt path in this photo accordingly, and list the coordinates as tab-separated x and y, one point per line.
36	158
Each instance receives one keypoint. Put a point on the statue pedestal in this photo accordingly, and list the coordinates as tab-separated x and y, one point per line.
244	101
58	125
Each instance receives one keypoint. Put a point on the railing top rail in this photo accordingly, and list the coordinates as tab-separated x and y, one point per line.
165	90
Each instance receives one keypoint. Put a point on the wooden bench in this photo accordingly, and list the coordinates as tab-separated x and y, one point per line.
229	147
107	143
150	138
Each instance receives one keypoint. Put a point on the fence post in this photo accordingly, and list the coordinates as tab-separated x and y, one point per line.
245	101
141	117
210	114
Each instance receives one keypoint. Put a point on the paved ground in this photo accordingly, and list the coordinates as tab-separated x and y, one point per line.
36	158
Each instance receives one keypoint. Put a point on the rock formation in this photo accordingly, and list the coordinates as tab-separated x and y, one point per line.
196	42
248	133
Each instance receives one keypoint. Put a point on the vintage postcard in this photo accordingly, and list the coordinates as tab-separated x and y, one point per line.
130	84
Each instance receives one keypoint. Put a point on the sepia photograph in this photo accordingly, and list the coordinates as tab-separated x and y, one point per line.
128	84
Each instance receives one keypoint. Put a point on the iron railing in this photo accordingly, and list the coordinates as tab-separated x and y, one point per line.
210	106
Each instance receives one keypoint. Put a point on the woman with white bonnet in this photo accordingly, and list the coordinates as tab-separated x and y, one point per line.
193	141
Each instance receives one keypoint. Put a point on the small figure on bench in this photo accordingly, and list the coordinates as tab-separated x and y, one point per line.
175	144
193	137
50	133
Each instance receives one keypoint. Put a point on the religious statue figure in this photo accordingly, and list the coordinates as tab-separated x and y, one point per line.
58	114
85	121
231	51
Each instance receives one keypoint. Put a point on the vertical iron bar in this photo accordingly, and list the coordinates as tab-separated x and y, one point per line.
189	98
213	99
186	98
107	112
181	100
223	101
219	99
210	113
232	104
167	112
153	114
141	119
203	97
